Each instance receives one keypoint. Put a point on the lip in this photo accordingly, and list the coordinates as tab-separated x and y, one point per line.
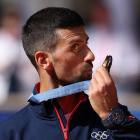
89	70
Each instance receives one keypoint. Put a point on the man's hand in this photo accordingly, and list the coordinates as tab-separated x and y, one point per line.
102	93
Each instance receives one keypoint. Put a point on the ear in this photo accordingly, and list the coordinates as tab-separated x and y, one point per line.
43	60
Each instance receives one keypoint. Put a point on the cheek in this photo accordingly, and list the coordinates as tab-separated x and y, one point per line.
64	65
72	70
67	66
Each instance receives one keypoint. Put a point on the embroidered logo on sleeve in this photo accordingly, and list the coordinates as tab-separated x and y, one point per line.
100	135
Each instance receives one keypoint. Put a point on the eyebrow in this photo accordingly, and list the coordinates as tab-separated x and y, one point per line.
79	39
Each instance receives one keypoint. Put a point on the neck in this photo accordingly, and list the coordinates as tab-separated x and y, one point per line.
68	103
47	82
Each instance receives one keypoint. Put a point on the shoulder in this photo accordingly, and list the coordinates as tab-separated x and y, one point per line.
17	120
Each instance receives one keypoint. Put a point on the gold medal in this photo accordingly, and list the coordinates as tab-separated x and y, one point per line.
107	62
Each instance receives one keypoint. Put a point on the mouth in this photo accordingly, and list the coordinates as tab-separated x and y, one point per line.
89	71
90	63
89	66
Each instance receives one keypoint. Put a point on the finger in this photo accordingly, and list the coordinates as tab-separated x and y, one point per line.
106	76
101	83
94	88
93	84
99	78
109	93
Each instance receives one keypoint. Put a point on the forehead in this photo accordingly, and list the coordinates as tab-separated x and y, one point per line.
72	33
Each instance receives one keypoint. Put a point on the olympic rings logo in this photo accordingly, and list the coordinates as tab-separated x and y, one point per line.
100	135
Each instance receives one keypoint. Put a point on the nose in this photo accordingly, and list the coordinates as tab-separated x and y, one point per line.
89	56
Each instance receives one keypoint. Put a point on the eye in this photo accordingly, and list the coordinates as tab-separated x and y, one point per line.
76	47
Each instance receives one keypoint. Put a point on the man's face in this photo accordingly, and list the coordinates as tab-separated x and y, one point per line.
72	59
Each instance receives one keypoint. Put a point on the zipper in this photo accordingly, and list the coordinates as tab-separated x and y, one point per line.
65	130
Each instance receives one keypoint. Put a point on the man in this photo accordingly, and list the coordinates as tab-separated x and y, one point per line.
55	41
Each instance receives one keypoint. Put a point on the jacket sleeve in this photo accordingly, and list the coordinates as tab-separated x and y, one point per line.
123	124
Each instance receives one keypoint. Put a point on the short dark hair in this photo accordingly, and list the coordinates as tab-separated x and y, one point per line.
39	30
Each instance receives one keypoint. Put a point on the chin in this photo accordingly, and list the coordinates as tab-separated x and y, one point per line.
76	79
88	77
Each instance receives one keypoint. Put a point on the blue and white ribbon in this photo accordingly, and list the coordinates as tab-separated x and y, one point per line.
61	92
